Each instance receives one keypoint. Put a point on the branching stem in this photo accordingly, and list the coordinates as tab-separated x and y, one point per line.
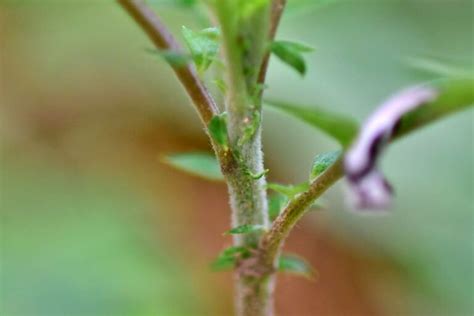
272	242
164	40
243	159
187	74
450	102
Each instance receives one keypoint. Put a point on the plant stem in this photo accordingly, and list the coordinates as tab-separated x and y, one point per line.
195	88
277	8
255	276
455	97
273	240
254	287
162	38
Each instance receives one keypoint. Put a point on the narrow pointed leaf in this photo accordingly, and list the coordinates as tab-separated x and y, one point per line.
291	53
288	190
223	263
227	258
218	129
203	165
203	45
296	265
276	202
322	162
244	229
340	127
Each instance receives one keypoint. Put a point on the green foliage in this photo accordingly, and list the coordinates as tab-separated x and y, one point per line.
338	126
244	229
291	53
322	162
227	258
175	59
276	202
290	191
220	84
203	165
251	127
218	129
203	45
296	265
257	176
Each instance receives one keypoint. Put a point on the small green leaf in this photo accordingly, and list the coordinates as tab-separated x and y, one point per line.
244	229
227	258
291	53
297	265
233	251
257	176
175	59
204	46
340	127
223	263
322	162
319	205
200	164
250	127
218	129
220	84
289	190
276	202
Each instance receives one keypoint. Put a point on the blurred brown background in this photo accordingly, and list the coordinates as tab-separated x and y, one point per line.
93	224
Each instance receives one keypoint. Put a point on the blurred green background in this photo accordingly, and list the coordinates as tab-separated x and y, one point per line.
93	224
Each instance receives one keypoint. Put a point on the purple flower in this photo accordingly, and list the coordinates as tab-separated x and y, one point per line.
368	187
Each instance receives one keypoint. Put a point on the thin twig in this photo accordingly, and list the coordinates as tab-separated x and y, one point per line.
202	100
164	40
275	15
273	240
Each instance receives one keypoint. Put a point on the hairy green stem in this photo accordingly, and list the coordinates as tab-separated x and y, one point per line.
247	195
255	276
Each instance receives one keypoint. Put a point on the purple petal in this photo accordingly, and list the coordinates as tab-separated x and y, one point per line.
368	187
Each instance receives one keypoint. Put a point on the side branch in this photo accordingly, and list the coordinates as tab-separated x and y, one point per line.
454	96
277	9
274	238
163	39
